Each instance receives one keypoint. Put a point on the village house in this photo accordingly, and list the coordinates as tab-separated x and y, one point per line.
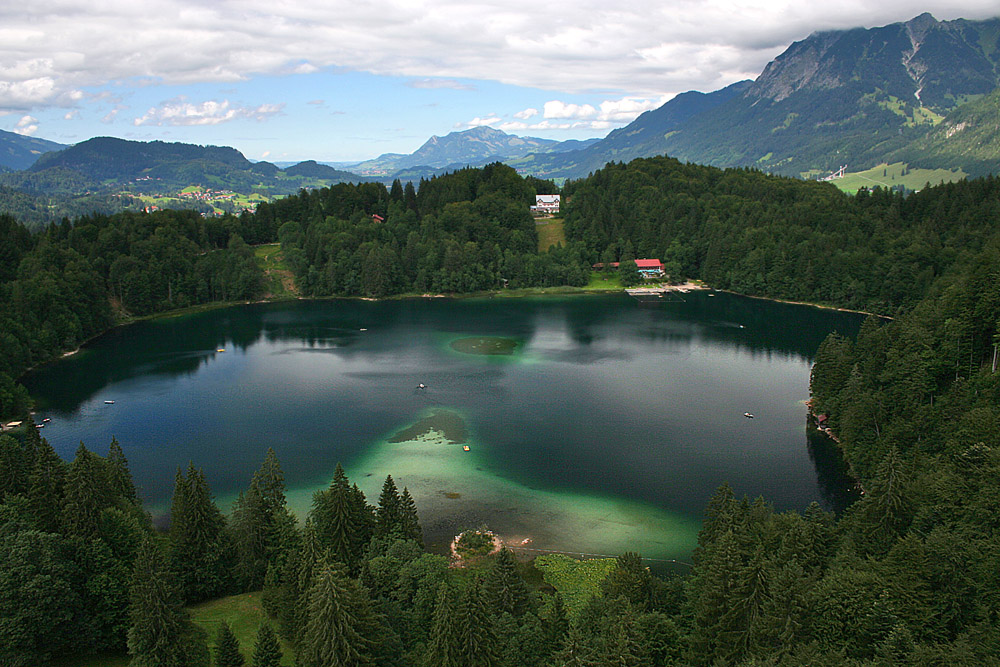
546	204
649	268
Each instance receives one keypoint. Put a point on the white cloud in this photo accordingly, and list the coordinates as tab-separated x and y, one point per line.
526	114
52	49
557	109
181	112
439	84
491	119
27	126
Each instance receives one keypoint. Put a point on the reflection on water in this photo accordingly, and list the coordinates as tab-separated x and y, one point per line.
601	398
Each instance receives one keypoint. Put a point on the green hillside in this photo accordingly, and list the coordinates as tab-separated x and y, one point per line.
896	175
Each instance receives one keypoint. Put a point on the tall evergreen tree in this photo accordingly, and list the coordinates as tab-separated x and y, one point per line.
443	645
505	588
160	634
340	629
343	519
409	520
477	641
197	538
46	488
87	493
263	529
119	475
388	512
267	649
14	467
227	648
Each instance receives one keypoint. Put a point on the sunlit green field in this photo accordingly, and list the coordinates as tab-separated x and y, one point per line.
891	175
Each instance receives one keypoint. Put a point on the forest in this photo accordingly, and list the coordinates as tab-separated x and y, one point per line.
908	575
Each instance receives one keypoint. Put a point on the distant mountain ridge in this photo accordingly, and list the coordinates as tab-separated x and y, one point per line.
851	96
474	146
20	152
109	160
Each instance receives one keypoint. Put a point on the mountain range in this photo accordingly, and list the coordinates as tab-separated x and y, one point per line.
18	151
923	92
474	146
853	97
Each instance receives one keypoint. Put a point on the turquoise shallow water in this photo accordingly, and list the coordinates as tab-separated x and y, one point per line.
610	411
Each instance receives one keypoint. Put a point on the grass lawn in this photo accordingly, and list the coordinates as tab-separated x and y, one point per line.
244	615
278	281
550	233
576	580
890	175
601	280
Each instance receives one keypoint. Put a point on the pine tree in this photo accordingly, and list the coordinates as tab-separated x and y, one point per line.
443	644
14	468
46	488
87	493
410	522
575	651
120	477
556	621
158	625
263	530
344	520
505	588
388	513
227	648
477	641
196	537
267	650
339	629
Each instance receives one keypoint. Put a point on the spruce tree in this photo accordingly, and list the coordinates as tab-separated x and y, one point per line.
340	628
14	467
196	537
575	651
506	590
227	648
443	644
388	513
344	520
267	649
409	520
158	624
477	640
46	488
119	475
87	493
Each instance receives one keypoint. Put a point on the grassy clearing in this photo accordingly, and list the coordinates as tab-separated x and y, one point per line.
278	280
550	233
244	615
891	175
604	281
576	580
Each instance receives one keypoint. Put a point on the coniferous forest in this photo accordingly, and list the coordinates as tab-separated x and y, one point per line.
908	575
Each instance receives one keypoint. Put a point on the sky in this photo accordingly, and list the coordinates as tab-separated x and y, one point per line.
286	80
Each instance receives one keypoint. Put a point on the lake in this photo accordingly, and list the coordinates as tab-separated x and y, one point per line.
594	424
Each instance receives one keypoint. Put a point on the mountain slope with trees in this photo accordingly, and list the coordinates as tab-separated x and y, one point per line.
844	97
18	151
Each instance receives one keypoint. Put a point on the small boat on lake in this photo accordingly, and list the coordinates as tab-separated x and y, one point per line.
109	402
421	386
465	448
748	415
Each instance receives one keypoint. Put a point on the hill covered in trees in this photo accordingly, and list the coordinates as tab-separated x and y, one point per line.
906	576
742	230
